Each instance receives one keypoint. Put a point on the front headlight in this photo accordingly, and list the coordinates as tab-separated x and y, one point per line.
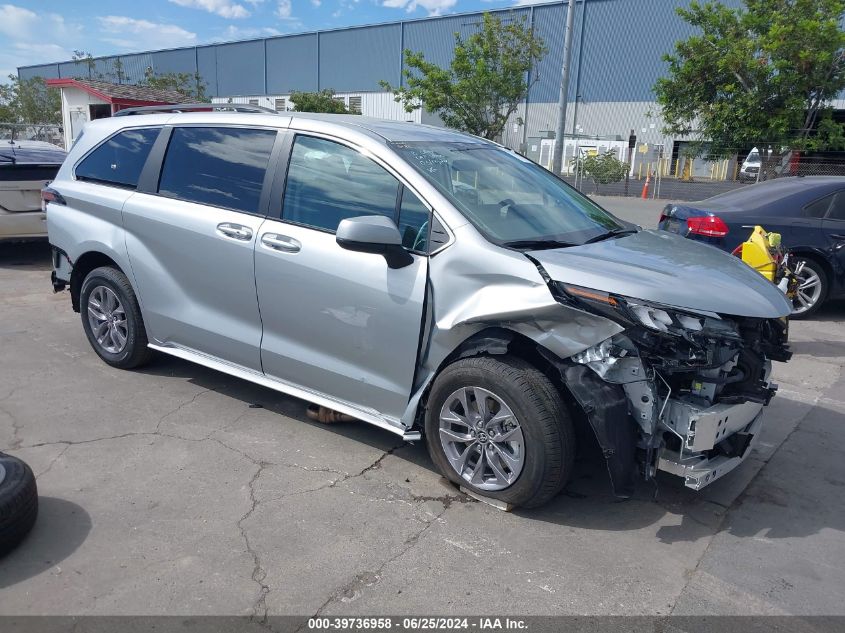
632	312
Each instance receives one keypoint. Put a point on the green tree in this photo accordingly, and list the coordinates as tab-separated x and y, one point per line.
604	168
86	58
485	82
30	101
190	85
760	75
322	101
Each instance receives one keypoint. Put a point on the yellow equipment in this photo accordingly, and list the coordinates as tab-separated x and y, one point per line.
761	251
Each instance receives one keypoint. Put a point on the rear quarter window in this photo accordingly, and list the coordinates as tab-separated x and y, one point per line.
118	161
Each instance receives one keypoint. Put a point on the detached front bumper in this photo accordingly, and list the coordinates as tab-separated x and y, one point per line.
713	440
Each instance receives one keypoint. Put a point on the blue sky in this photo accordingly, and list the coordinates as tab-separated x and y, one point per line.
39	31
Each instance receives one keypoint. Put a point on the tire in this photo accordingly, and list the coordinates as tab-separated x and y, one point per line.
546	444
108	284
812	269
18	501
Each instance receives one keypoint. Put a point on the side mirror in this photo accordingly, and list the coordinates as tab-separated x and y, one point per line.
374	234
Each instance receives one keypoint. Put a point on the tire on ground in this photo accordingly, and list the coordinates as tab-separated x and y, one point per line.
546	424
18	501
136	352
816	267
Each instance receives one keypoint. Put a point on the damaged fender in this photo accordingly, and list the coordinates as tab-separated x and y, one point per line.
504	292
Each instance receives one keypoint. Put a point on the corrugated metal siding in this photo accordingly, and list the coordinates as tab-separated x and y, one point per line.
134	66
47	71
292	64
357	59
550	24
619	59
175	61
74	69
240	68
107	69
207	68
624	45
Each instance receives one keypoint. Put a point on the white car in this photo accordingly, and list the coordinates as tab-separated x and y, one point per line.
750	166
26	167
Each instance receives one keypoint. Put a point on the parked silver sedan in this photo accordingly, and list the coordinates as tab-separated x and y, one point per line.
425	281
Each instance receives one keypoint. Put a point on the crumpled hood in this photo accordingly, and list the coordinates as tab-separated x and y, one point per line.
666	268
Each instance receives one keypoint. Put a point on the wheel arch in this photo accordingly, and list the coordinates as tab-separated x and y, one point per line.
83	265
500	341
824	262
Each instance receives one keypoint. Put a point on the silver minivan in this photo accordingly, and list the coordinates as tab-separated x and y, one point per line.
425	281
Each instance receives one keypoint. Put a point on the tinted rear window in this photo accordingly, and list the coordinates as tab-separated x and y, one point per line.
120	159
222	167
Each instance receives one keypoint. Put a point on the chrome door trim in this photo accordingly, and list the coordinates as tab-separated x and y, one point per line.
367	415
235	231
282	243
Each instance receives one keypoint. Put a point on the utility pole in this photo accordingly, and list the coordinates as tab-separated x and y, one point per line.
560	131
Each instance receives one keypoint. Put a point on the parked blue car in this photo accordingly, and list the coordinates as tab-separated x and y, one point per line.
809	213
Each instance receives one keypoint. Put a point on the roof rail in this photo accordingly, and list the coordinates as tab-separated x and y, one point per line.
184	107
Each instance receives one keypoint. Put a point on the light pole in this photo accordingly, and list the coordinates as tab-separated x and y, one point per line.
560	130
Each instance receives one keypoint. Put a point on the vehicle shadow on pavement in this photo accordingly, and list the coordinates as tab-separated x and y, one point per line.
33	255
61	528
793	494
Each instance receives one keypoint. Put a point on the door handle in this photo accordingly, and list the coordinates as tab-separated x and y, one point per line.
281	243
235	231
837	236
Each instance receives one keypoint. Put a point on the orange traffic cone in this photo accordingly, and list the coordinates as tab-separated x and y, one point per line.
644	195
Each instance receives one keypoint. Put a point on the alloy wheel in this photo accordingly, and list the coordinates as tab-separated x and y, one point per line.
482	438
809	289
107	319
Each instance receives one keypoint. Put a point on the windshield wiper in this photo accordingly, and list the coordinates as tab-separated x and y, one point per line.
609	234
536	244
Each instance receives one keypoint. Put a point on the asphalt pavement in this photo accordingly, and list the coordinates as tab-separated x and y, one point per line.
177	490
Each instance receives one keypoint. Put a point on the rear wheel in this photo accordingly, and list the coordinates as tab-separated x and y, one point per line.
498	427
111	318
812	289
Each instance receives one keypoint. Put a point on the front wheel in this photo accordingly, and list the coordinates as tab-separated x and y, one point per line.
811	291
498	427
111	318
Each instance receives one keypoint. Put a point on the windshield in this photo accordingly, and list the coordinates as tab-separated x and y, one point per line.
508	198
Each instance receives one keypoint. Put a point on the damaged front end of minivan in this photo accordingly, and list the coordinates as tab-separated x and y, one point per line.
662	387
692	385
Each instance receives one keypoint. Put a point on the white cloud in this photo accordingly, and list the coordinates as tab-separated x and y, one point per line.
525	3
434	7
223	8
316	3
233	32
24	32
20	24
132	34
283	9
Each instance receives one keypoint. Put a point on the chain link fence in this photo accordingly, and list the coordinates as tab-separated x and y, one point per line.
47	132
693	176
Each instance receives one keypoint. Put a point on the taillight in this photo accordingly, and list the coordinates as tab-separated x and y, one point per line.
50	195
709	225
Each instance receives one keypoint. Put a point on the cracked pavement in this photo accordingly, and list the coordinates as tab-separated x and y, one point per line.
178	490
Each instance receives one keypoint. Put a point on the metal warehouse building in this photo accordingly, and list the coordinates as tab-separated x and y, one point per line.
616	57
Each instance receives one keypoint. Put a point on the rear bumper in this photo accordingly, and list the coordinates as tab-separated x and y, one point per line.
62	269
22	225
714	440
